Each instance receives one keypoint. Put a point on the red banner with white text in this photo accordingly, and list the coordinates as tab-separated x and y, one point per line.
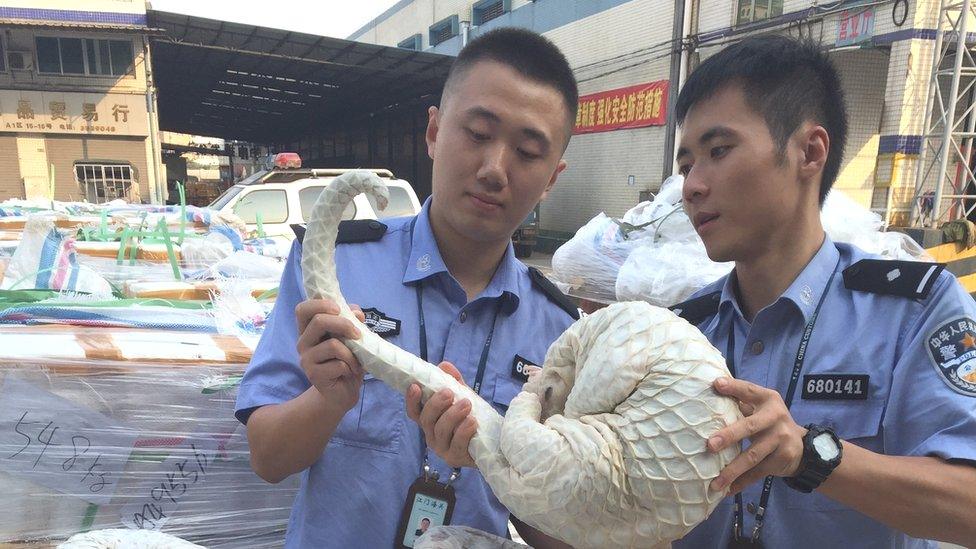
624	108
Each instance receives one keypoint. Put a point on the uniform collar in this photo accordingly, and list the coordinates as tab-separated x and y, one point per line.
809	287
425	261
806	289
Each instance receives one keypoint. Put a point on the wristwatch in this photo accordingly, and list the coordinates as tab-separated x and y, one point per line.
822	451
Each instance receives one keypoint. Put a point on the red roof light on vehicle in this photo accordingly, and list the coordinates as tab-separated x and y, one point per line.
287	160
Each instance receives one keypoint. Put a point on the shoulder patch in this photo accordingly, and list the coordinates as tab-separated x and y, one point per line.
952	348
910	279
351	232
698	309
553	293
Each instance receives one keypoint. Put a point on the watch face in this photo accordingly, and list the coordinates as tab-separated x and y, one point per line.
826	447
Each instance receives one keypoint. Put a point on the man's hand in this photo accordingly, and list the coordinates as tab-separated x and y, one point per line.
447	425
776	441
329	365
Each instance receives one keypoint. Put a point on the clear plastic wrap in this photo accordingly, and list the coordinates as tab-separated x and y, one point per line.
129	429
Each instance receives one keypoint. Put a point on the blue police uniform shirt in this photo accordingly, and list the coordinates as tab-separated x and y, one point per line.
354	494
912	408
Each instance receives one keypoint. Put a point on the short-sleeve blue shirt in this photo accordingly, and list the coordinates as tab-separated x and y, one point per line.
354	494
912	407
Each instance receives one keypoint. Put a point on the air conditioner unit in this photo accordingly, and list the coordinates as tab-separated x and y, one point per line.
20	60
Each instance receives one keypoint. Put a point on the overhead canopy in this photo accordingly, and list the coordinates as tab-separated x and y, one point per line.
235	81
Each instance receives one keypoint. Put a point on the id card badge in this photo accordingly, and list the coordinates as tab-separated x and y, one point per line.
429	504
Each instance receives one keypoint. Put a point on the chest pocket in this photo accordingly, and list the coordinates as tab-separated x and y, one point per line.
376	422
505	390
857	422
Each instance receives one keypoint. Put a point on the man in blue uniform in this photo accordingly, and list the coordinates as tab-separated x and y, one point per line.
855	374
444	285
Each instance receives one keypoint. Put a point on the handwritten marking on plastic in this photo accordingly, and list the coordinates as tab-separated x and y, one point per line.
174	479
59	444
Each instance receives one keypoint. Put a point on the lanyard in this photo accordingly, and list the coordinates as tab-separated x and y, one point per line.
801	352
479	377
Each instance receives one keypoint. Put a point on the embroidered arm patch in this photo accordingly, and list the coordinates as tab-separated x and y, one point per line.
952	348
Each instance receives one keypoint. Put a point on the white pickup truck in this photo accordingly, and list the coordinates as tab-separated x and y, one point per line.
281	198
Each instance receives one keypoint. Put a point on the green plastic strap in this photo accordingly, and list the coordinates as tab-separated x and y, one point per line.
89	519
182	191
273	292
162	232
103	227
259	219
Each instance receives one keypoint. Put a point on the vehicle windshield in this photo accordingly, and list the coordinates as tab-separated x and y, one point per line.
226	197
399	204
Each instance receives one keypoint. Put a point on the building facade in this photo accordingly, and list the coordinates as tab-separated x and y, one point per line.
77	112
626	52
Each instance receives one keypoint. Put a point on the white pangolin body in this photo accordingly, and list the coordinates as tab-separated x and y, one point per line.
121	538
604	448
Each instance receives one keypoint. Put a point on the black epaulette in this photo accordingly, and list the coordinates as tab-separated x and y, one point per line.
911	279
351	232
553	293
698	309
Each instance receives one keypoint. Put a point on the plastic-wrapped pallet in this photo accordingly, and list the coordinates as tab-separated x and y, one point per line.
129	429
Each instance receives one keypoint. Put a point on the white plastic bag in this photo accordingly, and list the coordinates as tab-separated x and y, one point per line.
847	221
46	259
667	273
201	253
589	262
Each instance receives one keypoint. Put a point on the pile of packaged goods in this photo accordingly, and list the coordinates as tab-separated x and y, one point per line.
654	254
124	333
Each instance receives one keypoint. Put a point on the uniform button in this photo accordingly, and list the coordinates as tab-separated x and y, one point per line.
751	508
757	347
463	316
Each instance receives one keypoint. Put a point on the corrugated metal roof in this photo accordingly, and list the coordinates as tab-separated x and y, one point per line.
256	83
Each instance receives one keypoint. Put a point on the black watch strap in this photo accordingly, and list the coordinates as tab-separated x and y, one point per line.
814	470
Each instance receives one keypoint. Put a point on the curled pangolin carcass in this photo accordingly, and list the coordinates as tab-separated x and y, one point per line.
604	448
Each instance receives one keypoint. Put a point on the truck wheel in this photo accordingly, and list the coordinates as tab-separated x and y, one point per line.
523	251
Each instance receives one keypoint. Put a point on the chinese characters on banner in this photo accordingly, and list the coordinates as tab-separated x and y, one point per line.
86	113
855	26
624	108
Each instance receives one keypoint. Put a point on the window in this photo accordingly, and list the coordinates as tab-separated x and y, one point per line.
399	204
444	30
228	195
84	56
273	205
103	182
308	196
486	10
757	10
3	57
412	43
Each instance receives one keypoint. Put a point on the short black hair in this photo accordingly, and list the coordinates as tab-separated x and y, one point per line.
786	81
530	54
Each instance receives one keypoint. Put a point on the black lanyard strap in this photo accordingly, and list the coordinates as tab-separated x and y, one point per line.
485	350
479	377
801	355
